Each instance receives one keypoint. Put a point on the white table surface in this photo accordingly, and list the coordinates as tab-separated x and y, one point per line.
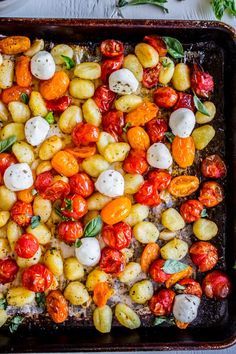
186	9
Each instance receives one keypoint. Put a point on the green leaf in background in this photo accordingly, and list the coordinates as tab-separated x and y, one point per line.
200	106
172	266
174	47
158	3
15	322
40	299
3	304
170	136
161	319
50	118
204	213
220	6
93	227
35	221
68	61
24	98
6	143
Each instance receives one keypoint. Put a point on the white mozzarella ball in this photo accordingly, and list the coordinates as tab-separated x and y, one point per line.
182	122
42	65
185	307
18	177
123	82
36	130
110	183
159	156
89	253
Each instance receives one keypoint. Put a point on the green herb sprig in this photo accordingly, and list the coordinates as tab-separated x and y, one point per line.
220	6
158	3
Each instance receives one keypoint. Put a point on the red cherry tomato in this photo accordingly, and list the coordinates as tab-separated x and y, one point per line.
185	100
37	278
156	129
112	261
157	273
113	123
110	65
74	206
6	160
111	48
58	105
84	134
204	255
211	194
151	76
161	303
69	231
165	97
57	190
192	287
157	43
213	167
117	236
43	181
81	184
135	162
8	270
104	98
191	210
216	285
201	82
22	213
148	194
160	178
26	246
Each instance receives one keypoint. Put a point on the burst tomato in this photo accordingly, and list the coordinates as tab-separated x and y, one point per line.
148	194
113	123
57	306
58	105
211	194
191	210
6	160
74	206
110	65
84	134
216	285
160	178
69	231
135	162
161	303
14	93
112	261
117	236
151	76
204	255
156	129
37	278
104	98
201	82
213	167
157	273
81	184
191	287
185	100
111	48
26	246
43	181
165	97
157	43
22	213
8	270
57	190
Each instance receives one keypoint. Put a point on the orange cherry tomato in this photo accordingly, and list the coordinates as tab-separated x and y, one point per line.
192	287
55	87
83	151
14	93
22	71
65	163
181	325
162	302
26	195
211	194
136	162
204	255
145	112
174	278
182	186
57	306
150	253
22	213
183	151
138	138
102	292
14	44
116	210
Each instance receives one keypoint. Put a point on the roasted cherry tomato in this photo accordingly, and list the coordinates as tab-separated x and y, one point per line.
58	105
14	93
160	178
161	303
116	210
183	151
81	184
37	278
69	231
43	181
211	194
191	210
57	190
135	162
84	134
157	273
26	246
110	65
6	160
204	255
182	186
213	167
117	236
111	48
22	71
57	306
191	287
8	270
104	98
151	76
216	285
156	129
112	261
157	43
65	163
150	253
185	100
138	138
165	97
201	82
145	112
22	213
82	152
113	123
148	194
74	206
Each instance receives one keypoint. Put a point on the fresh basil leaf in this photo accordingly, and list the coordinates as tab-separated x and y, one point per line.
126	127
78	243
220	6
3	303
200	106
170	136
93	227
158	3
161	319
15	322
174	47
35	221
231	6
68	61
40	299
172	266
204	213
179	287
50	118
6	143
24	98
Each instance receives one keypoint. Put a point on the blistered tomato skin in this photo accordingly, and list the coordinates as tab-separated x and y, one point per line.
81	184
211	194
6	160
184	100
160	178
157	273
157	43
151	76
108	66
156	129
111	48
22	213
74	206
213	167
191	210
59	105
112	261
136	162
113	123
117	236
201	82
57	306
26	246
165	97
216	285
162	302
43	180
148	194
84	134
204	255
37	278
104	98
56	190
8	270
69	231
191	287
